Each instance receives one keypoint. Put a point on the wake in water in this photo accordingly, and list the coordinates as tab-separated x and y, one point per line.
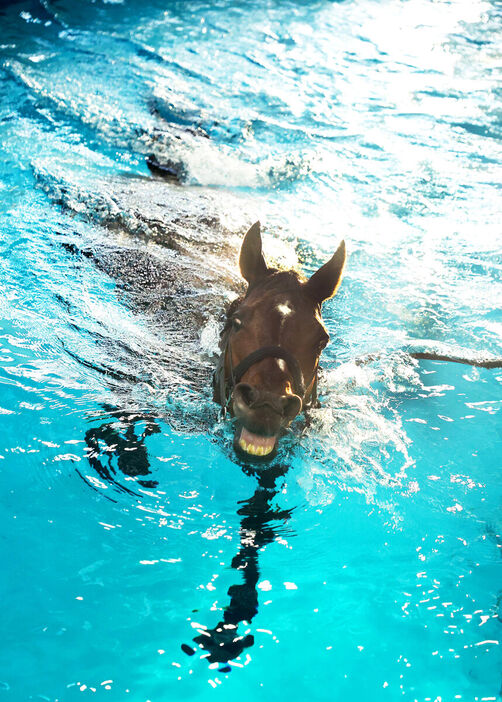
171	255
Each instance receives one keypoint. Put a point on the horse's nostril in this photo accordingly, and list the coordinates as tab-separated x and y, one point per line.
291	405
245	393
246	397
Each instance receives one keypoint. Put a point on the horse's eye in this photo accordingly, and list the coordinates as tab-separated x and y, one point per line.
323	343
236	323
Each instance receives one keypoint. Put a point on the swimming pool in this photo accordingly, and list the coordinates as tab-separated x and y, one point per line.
366	562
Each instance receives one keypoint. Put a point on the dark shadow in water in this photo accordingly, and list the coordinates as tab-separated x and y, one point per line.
224	642
119	444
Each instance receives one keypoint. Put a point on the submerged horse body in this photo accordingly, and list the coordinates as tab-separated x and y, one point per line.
173	261
172	257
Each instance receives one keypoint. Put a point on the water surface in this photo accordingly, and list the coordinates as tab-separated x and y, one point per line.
365	563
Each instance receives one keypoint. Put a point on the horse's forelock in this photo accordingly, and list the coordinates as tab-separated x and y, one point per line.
278	281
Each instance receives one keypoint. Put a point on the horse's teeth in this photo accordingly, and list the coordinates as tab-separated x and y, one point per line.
255	449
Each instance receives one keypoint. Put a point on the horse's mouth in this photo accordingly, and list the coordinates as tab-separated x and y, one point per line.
254	444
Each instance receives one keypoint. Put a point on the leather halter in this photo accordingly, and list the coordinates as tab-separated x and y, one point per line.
223	387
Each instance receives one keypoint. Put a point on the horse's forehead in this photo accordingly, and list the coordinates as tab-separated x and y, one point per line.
285	310
284	304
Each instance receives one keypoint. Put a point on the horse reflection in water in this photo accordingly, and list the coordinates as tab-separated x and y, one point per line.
120	445
224	642
122	438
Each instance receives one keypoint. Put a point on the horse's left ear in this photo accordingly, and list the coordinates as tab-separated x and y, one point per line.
324	283
251	260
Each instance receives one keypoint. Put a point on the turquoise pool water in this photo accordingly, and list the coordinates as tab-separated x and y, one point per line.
365	563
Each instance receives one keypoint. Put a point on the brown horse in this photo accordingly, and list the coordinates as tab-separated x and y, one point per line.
271	343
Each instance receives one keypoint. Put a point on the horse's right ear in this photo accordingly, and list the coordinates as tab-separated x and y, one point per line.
251	260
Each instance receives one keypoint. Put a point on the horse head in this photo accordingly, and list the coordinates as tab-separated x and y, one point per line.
271	344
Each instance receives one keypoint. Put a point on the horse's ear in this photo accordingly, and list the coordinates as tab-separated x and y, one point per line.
324	283
251	261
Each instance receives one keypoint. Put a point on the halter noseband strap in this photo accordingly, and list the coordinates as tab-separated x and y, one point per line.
223	388
271	352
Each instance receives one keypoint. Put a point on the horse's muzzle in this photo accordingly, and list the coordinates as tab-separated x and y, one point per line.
261	417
